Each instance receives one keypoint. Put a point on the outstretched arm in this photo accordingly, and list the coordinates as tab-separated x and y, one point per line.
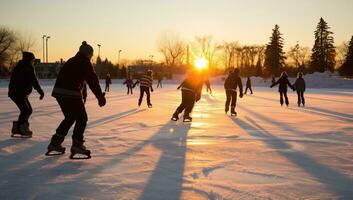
181	84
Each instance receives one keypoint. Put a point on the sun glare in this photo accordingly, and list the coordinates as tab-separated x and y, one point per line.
200	63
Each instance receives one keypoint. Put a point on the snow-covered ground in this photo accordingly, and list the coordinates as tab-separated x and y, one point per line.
267	152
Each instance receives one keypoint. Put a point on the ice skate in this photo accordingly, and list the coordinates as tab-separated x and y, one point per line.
80	149
55	150
187	118
21	130
233	113
149	105
175	116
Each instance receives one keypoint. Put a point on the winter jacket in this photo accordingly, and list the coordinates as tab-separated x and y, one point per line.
145	81
299	85
70	81
283	83
248	82
192	84
232	82
23	79
108	80
129	82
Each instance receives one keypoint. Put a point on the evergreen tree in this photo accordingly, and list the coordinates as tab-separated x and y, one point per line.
347	67
274	55
258	68
323	52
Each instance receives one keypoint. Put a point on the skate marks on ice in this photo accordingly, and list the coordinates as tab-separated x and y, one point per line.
335	181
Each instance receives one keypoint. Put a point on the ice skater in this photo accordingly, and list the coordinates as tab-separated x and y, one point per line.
191	89
129	84
23	79
208	86
145	87
248	85
108	81
68	93
282	89
159	79
232	82
299	86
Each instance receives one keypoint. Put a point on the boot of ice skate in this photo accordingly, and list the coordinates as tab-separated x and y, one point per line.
15	129
78	148
187	118
23	131
175	116
55	148
233	113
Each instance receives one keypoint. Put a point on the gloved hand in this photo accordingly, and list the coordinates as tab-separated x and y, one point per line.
241	95
151	89
102	101
41	93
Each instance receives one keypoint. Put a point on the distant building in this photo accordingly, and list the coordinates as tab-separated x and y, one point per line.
48	70
138	69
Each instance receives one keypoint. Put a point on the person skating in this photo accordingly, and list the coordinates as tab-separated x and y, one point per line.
232	82
23	79
145	87
159	79
248	85
273	80
108	81
191	89
129	84
299	86
282	89
68	93
208	86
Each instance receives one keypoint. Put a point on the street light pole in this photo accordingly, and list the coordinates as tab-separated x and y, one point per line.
46	39
99	50
119	57
43	37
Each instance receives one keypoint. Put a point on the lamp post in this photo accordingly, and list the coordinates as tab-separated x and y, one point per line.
46	40
99	50
119	57
43	37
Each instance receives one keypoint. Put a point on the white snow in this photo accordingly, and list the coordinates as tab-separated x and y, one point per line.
267	152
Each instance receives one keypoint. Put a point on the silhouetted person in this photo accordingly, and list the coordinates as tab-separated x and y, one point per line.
232	82
145	86
129	84
191	89
282	89
248	85
208	86
68	93
159	79
23	79
273	80
299	86
84	92
108	81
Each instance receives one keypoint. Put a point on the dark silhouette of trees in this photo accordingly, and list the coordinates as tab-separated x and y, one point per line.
323	52
274	55
347	68
7	42
298	56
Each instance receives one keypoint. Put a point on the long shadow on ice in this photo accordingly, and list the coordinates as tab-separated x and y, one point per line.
336	182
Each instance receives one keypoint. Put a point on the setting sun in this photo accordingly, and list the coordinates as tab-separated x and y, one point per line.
200	63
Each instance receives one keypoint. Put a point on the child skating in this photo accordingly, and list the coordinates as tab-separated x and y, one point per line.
129	84
191	89
248	85
299	86
145	87
232	82
282	89
108	81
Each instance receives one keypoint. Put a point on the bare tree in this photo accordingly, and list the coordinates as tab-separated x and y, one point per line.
298	55
206	47
342	50
7	41
229	50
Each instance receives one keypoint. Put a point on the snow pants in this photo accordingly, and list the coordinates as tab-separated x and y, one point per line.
25	108
187	102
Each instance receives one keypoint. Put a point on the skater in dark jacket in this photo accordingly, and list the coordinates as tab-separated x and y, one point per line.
159	79
145	86
232	82
191	89
273	80
23	79
108	81
208	86
299	86
68	93
282	89
129	84
248	85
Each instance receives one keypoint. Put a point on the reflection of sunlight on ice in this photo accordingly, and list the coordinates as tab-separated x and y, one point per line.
202	125
198	142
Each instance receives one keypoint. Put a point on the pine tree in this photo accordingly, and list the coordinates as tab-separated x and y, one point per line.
274	55
347	67
323	52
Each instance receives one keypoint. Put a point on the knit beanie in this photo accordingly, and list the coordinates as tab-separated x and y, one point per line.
86	49
27	56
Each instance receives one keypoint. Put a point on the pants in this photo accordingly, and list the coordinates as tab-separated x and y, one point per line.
106	87
285	97
146	90
231	97
159	84
248	87
187	102
25	108
129	89
74	112
301	97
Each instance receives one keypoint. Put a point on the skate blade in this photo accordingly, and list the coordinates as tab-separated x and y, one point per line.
174	119
187	120
79	156
54	153
233	115
17	135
